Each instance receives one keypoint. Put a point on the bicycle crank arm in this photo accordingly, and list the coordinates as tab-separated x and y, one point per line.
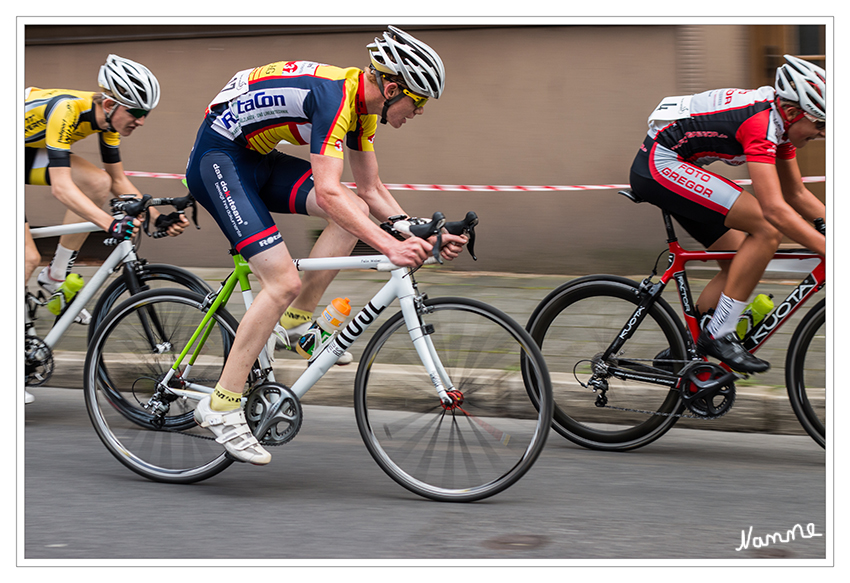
708	387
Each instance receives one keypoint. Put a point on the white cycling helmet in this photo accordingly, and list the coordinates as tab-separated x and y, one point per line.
128	83
804	83
398	53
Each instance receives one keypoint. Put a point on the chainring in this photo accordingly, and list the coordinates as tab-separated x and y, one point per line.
714	402
282	423
38	366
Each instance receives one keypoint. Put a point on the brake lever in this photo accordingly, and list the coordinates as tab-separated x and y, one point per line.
435	227
467	225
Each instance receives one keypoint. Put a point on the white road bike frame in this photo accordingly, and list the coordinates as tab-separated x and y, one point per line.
124	252
399	286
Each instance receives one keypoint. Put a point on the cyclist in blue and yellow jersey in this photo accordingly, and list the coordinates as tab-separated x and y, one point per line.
55	119
762	128
236	173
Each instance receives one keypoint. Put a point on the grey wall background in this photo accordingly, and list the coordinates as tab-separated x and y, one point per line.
524	105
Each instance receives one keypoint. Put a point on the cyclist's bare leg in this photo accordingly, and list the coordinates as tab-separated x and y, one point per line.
31	255
755	251
718	338
333	242
280	285
730	241
95	184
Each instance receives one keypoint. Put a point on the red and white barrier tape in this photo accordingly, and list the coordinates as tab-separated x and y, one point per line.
474	187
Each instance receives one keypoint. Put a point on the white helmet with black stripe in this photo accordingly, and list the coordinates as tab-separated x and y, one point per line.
804	83
128	83
398	53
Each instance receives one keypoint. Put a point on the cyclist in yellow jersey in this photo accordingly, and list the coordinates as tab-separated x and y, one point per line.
236	173
54	120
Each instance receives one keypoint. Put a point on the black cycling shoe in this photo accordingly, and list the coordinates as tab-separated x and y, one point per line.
729	351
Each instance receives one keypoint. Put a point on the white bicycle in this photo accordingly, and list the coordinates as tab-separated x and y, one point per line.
136	275
439	395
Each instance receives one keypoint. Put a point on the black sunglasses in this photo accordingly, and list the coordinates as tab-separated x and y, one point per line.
137	113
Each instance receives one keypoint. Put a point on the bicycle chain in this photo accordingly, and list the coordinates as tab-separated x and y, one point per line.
658	413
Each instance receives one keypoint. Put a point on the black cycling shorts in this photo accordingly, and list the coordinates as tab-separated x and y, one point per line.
698	199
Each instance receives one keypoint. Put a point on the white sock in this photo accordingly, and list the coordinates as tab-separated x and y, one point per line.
725	317
62	262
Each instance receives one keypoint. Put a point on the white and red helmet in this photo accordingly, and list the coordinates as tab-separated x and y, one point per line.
804	83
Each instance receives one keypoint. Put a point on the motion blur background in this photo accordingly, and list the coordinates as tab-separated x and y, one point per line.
524	105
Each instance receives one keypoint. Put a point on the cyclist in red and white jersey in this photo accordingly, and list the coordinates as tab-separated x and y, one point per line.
762	128
239	176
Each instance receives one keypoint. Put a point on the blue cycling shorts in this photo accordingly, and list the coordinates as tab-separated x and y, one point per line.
240	188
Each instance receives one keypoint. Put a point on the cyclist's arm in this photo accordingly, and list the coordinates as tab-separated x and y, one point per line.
122	185
64	189
768	190
364	168
796	194
334	199
382	204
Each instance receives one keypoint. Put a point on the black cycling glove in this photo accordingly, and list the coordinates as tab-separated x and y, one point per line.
164	221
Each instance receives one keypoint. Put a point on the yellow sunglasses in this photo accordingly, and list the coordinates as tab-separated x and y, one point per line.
417	101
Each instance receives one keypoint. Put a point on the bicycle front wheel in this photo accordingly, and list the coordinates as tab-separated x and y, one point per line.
148	427
805	373
574	326
493	433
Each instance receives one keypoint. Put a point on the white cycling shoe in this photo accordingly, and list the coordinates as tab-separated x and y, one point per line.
283	339
50	285
232	431
28	398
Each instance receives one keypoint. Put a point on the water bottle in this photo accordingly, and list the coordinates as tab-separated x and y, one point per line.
65	293
323	328
760	307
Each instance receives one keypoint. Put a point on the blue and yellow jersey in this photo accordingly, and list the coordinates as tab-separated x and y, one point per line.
54	119
298	102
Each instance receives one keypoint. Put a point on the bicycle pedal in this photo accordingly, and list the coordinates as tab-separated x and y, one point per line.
229	456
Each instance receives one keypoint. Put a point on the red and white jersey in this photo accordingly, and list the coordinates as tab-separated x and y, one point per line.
731	125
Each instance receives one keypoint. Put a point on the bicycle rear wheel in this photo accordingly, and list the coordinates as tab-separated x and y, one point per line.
149	429
494	433
573	326
805	372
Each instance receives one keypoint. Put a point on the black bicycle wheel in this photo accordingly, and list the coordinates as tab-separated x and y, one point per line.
573	326
493	433
150	276
149	429
805	372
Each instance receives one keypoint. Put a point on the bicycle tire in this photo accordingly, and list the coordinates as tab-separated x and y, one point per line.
120	375
118	290
478	449
578	321
805	372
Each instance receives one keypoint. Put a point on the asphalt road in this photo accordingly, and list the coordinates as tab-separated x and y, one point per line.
690	496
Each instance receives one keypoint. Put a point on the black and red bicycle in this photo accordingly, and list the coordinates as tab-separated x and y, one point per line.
625	368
